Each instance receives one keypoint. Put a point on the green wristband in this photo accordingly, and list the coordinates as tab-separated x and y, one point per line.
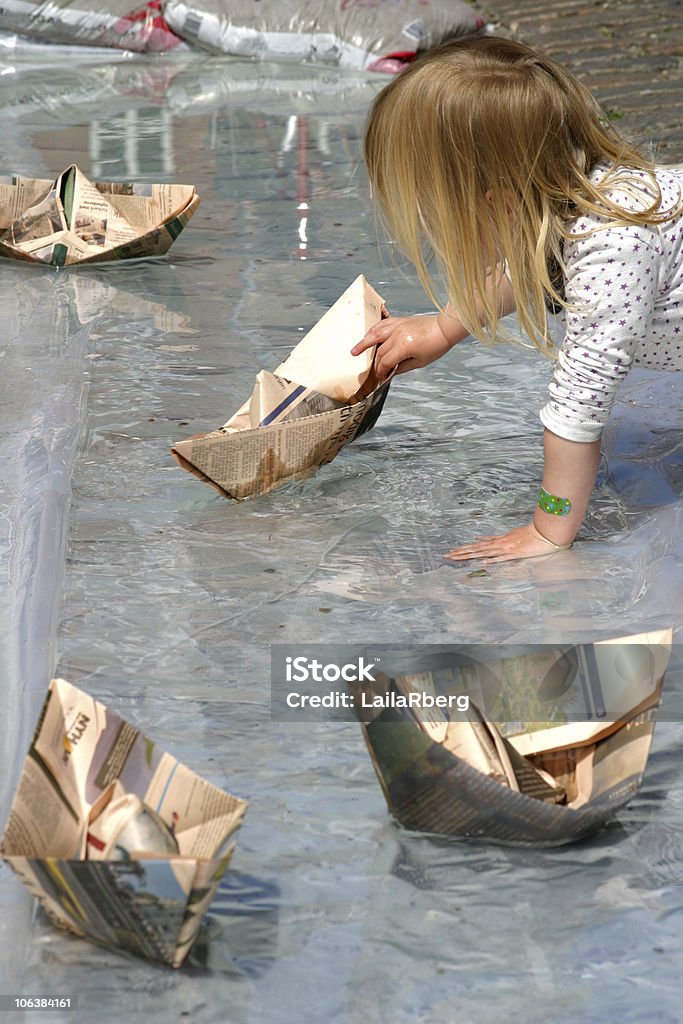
553	505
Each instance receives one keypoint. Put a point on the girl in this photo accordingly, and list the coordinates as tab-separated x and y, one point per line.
494	165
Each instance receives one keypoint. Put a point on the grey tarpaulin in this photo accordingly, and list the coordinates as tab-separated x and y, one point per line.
170	597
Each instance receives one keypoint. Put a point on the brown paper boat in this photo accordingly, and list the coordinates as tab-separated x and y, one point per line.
148	902
300	416
73	220
458	772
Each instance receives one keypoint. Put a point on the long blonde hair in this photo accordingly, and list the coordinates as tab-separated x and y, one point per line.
480	153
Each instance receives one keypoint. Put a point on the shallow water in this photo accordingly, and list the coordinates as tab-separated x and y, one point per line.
133	580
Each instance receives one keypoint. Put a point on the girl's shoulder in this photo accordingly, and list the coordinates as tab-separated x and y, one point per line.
632	190
670	180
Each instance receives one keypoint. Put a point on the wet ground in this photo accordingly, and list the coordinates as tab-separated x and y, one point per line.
135	581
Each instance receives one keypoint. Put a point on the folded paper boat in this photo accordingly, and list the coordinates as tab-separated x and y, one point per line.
300	416
149	900
74	220
481	772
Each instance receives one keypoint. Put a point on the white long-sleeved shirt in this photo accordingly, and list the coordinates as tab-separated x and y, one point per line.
627	284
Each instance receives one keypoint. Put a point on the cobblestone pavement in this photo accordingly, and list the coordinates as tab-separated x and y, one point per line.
629	53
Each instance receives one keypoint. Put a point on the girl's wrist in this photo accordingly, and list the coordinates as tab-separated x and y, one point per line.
551	543
451	329
558	533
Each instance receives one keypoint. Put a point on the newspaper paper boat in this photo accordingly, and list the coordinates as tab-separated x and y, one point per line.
300	416
540	783
149	902
74	220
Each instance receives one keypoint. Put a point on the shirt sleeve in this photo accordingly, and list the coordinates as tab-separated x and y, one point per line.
612	280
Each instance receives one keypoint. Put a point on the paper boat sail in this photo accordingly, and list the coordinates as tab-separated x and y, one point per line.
149	901
457	771
300	416
74	220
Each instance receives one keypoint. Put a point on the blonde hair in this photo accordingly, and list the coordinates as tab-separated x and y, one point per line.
480	153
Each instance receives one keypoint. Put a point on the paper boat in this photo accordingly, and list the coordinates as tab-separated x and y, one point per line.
458	771
74	220
300	416
148	902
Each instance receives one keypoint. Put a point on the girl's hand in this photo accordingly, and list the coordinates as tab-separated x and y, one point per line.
523	542
569	471
404	343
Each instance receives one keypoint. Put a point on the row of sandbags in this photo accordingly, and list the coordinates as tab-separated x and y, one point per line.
376	35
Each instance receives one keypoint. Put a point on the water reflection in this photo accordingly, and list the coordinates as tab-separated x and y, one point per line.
546	952
242	933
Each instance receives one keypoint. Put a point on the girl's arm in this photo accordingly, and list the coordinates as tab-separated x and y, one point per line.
410	342
612	282
407	343
569	475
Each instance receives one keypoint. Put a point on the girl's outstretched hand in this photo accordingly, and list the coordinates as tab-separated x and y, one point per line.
523	542
405	343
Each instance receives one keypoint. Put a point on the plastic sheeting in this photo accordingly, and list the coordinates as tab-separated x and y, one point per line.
123	24
112	84
161	598
378	36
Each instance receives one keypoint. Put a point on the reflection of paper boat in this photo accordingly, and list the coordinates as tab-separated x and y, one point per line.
460	773
301	416
75	221
148	903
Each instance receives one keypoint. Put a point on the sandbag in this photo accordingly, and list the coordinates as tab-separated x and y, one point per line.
375	35
124	24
